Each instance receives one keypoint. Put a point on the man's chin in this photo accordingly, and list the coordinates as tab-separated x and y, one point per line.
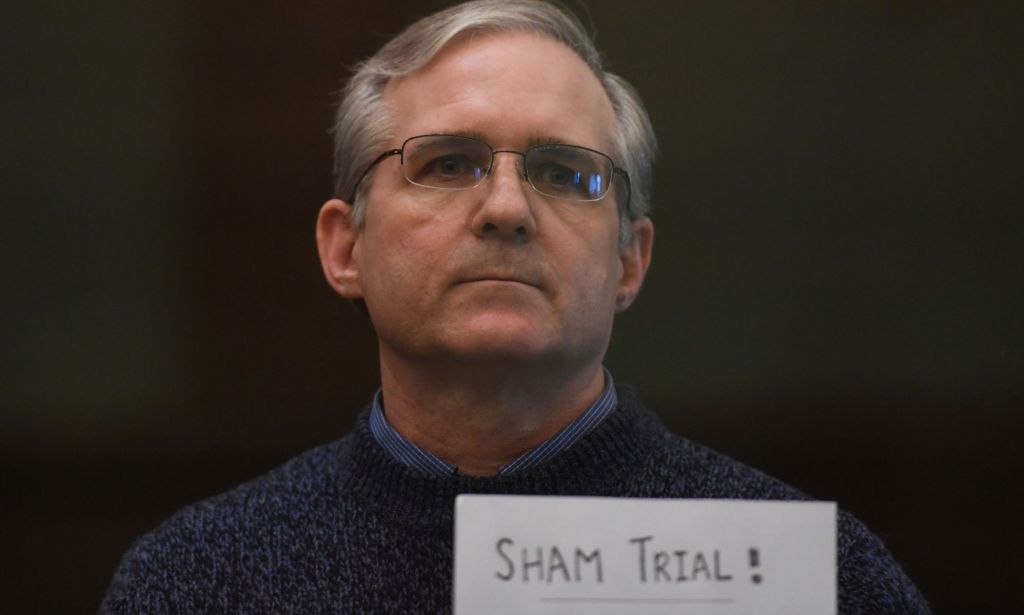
503	346
500	339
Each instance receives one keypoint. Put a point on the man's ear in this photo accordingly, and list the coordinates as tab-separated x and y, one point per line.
635	257
336	236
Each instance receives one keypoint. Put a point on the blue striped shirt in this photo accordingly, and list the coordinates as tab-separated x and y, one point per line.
417	457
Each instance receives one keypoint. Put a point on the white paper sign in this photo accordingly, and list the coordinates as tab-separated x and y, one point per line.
541	554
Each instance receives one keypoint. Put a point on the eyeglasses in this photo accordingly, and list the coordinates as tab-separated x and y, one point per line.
453	162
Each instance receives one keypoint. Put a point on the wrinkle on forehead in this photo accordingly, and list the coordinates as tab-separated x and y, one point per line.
533	139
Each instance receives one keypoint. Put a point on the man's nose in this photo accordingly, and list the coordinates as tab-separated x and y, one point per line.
506	209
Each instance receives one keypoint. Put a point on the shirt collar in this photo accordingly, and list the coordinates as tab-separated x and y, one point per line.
419	458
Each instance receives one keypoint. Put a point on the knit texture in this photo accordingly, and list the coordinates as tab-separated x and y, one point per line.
345	528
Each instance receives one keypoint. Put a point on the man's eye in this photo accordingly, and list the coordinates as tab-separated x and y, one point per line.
447	166
557	179
444	169
560	180
560	176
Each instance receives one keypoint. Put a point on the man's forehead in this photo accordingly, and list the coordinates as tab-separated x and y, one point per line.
494	84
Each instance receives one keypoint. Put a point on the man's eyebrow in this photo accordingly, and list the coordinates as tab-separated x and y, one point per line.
472	134
547	140
435	138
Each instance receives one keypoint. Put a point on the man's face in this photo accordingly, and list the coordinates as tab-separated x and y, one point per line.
497	272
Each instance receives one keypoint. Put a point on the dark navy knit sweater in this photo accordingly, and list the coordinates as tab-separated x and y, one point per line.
345	528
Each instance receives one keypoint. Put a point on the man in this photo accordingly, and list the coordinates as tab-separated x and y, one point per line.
492	185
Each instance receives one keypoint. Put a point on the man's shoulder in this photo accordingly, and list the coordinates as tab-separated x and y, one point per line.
703	472
185	557
682	468
307	480
870	580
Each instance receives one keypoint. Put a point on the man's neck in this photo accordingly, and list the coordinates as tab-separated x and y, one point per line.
480	418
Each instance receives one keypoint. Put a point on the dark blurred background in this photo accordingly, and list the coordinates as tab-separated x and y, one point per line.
836	292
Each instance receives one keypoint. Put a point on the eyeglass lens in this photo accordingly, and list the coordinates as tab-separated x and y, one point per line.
452	162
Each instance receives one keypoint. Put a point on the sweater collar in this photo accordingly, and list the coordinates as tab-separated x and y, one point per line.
423	460
604	462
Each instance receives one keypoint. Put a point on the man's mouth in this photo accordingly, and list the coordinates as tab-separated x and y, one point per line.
502	278
499	279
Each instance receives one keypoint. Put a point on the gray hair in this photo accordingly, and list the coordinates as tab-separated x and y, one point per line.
362	124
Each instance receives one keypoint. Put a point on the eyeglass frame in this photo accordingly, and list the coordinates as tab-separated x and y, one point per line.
490	167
